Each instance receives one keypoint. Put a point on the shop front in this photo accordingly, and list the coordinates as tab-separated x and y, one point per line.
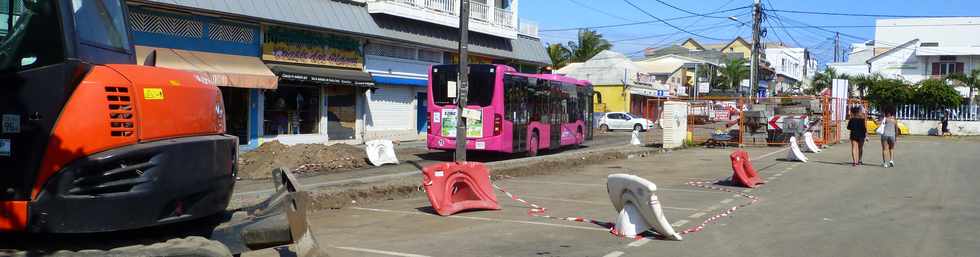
222	53
396	110
321	78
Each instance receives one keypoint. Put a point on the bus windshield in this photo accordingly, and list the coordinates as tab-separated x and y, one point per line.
481	84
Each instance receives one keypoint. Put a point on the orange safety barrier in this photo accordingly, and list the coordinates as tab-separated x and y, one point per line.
13	215
455	187
745	175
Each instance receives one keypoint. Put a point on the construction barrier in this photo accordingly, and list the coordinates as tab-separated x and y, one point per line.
635	138
639	209
455	187
380	152
808	142
794	151
744	173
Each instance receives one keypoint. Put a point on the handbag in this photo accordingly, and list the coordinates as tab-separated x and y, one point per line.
881	127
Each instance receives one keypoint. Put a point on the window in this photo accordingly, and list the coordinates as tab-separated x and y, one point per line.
947	58
481	84
946	68
391	51
929	44
101	22
430	56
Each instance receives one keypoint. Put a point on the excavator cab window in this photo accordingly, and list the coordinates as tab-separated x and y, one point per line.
100	23
29	35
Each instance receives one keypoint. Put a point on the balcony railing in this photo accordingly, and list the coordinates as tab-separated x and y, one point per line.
479	12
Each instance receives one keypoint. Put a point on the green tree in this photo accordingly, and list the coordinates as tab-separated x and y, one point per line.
559	54
863	82
823	80
732	74
970	80
889	93
936	94
589	44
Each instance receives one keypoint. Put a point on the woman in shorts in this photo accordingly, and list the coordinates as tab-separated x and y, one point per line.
888	137
859	132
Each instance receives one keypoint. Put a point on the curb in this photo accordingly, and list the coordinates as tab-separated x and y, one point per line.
337	191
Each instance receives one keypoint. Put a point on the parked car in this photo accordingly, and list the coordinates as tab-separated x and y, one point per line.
623	121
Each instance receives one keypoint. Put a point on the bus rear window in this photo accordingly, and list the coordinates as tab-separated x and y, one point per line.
482	78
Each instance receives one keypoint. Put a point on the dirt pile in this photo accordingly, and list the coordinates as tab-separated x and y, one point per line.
307	158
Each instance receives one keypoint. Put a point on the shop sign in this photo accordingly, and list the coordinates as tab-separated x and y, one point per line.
646	78
324	80
311	47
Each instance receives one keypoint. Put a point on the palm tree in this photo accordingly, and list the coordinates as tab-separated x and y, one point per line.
970	80
559	54
589	44
824	80
863	82
733	73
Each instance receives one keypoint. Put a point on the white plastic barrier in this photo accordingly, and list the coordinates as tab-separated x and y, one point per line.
794	151
674	122
639	209
381	152
635	140
811	146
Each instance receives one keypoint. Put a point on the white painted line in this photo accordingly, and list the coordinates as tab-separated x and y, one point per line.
614	254
697	215
639	243
603	185
597	203
481	219
726	201
772	153
679	223
777	174
747	190
713	207
365	250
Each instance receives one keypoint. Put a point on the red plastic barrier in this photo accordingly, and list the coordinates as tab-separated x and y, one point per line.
745	174
455	187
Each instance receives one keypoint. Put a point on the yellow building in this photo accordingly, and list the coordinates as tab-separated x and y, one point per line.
613	97
736	46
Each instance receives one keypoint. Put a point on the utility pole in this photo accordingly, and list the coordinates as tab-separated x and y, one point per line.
756	33
836	46
464	73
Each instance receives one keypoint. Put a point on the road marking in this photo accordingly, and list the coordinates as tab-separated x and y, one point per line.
679	223
713	207
747	190
597	203
772	153
365	250
481	219
726	201
639	243
697	215
777	174
614	254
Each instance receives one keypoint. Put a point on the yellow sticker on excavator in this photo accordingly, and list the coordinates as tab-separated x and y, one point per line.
153	93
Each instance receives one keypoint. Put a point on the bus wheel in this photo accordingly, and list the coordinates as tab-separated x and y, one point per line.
532	148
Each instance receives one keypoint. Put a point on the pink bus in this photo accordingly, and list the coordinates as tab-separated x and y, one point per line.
519	113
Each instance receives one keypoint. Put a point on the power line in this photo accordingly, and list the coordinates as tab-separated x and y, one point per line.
689	12
862	14
705	28
667	23
600	11
643	22
884	26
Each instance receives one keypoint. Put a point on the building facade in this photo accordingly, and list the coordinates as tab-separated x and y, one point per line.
330	70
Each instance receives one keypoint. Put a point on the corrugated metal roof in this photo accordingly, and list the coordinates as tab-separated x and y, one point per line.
353	18
605	68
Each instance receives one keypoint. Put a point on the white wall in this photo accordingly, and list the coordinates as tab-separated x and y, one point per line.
850	69
892	32
931	127
902	64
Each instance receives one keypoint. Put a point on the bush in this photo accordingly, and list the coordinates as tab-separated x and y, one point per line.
936	94
890	93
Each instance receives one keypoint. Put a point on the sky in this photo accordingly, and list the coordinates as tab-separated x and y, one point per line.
790	28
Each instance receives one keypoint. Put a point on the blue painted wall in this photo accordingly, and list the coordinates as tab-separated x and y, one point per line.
190	32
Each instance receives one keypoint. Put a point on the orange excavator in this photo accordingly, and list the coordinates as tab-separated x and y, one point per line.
92	144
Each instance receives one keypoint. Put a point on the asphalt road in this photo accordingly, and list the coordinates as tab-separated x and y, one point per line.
926	206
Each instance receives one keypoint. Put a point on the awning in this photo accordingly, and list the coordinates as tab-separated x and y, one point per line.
224	69
392	80
322	75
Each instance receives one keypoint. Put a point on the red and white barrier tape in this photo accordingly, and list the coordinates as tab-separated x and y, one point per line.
726	213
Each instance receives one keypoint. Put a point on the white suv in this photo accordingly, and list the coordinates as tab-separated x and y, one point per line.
622	120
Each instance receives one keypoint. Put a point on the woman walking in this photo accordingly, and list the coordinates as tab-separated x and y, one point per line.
888	137
859	132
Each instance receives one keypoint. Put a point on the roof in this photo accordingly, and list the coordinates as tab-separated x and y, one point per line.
952	50
353	18
605	68
569	68
695	42
894	49
682	57
737	39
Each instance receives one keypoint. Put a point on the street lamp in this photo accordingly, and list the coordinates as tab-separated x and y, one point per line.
735	19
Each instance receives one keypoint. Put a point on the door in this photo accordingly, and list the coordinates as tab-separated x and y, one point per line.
341	112
422	115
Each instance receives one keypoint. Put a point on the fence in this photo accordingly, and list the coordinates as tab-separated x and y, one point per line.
918	112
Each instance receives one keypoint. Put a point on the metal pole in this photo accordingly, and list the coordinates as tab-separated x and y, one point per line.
464	71
756	33
836	46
